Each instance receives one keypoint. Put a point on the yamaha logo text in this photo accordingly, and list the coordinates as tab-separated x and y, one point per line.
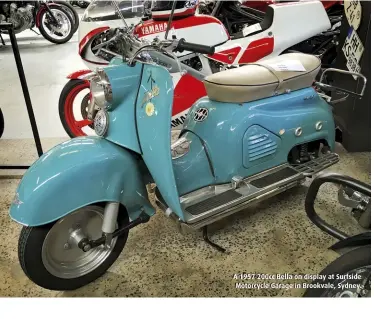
154	28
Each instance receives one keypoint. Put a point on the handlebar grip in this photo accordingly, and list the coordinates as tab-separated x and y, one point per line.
193	47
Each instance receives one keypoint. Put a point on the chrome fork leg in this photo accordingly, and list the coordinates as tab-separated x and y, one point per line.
110	221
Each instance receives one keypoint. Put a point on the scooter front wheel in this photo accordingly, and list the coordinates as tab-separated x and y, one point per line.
50	257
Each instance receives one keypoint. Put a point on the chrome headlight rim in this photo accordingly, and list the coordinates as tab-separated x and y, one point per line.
101	89
105	82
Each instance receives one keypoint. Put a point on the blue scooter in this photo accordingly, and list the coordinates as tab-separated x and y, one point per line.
261	130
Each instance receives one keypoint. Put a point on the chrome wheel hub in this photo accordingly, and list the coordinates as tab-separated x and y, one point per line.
60	31
61	255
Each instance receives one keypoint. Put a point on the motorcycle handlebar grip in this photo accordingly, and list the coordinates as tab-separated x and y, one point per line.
193	47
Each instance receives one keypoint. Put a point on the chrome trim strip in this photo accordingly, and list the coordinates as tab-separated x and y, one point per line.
231	210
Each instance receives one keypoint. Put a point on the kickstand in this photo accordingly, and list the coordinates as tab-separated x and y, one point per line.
34	31
1	38
207	240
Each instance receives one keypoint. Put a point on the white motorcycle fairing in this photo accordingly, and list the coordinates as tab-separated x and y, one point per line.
284	25
101	16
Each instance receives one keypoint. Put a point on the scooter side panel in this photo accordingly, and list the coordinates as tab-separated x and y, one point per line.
192	164
77	173
223	130
153	114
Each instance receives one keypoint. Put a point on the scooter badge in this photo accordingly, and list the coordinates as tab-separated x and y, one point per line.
201	114
155	90
151	94
150	109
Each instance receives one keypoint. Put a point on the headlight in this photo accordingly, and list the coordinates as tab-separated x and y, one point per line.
101	89
101	122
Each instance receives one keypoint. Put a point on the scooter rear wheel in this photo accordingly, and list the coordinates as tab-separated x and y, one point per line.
51	259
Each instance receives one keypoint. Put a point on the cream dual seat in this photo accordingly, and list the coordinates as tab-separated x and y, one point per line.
262	79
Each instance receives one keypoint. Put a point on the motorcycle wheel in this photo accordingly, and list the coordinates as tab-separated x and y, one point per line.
72	12
54	35
353	260
73	127
1	123
50	259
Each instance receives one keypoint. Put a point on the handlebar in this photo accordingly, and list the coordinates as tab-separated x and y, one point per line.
131	46
311	195
193	47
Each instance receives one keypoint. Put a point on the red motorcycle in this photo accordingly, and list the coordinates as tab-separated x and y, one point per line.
53	20
75	121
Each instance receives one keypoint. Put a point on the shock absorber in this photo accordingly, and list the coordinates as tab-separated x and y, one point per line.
304	155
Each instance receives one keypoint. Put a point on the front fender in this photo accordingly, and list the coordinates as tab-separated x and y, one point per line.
77	75
77	173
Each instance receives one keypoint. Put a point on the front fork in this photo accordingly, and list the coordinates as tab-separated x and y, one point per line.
109	222
108	228
51	13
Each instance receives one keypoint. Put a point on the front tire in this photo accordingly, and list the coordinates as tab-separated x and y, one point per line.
54	35
72	12
72	268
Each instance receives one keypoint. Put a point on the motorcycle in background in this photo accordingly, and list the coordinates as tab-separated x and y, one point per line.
72	12
239	16
52	20
97	49
350	274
